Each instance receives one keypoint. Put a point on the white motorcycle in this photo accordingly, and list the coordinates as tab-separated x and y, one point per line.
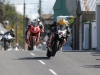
7	38
1	35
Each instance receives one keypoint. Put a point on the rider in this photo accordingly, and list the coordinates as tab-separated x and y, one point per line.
52	27
38	23
61	23
11	32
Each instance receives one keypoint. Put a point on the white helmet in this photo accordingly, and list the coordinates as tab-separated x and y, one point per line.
1	32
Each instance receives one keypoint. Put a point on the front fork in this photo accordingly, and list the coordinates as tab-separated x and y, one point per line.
62	42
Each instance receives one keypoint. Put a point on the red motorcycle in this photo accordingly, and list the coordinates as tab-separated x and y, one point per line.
33	33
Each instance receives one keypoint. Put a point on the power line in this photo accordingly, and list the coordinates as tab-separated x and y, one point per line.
26	3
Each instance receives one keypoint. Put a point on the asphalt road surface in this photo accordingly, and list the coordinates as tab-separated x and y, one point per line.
36	63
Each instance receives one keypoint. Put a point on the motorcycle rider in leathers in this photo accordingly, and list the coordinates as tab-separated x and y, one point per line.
64	24
27	33
11	32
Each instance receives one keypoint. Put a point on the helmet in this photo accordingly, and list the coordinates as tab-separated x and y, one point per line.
34	24
62	22
1	32
12	30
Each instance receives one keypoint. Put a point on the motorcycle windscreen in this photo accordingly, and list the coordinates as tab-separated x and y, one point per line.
34	29
61	27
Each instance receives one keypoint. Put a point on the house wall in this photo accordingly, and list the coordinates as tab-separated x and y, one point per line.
60	9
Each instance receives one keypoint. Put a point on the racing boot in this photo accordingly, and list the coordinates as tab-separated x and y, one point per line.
62	43
28	42
34	47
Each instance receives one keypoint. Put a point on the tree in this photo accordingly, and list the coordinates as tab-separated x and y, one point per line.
14	18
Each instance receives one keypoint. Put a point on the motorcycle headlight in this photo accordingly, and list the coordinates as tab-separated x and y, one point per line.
60	33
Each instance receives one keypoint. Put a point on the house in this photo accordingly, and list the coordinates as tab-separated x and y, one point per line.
47	18
68	7
60	9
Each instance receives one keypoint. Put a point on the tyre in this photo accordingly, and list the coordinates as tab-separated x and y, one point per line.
48	53
29	48
5	45
54	48
31	44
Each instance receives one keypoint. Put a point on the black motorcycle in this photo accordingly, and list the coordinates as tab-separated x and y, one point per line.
59	36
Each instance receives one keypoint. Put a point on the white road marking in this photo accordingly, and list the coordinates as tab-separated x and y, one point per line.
42	62
52	72
32	54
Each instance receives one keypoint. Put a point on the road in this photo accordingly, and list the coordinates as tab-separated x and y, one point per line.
36	63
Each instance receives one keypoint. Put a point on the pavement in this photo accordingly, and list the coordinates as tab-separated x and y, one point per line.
2	28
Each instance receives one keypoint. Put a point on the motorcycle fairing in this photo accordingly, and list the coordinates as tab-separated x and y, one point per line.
8	36
34	30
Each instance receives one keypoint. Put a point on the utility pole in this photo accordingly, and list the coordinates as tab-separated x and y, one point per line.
17	31
78	13
39	11
24	27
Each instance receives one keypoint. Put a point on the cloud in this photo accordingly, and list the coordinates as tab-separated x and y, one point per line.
34	16
30	11
19	8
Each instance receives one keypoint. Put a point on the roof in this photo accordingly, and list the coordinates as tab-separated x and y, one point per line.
47	16
88	5
55	4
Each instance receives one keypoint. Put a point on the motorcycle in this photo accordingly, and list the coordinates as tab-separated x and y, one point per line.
58	37
1	36
34	30
7	38
16	48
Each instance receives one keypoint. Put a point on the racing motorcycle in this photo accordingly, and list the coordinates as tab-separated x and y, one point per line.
59	36
34	30
1	35
16	48
7	38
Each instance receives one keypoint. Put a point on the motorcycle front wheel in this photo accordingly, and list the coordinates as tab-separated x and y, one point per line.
31	44
55	48
48	53
5	44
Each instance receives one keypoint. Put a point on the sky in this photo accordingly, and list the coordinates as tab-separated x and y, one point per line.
32	6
